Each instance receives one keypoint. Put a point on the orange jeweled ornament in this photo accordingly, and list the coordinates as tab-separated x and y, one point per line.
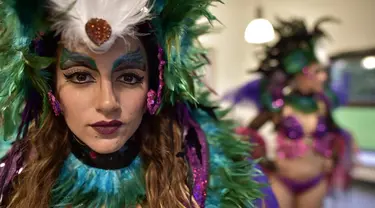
98	30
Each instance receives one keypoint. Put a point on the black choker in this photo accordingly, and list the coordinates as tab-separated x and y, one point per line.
116	160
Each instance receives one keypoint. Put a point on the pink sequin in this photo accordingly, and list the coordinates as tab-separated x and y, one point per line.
54	103
93	155
277	103
199	168
289	148
154	98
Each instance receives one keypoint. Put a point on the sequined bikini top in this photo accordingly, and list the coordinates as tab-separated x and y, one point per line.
293	129
291	136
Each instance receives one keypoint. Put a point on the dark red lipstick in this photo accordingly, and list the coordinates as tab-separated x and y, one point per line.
107	127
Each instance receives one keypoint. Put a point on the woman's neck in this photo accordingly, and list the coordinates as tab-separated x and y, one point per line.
116	160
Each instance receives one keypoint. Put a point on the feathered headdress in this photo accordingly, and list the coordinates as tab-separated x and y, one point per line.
294	50
96	24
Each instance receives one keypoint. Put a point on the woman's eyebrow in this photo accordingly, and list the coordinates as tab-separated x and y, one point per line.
69	59
132	58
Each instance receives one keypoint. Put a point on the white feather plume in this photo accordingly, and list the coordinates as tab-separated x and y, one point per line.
121	15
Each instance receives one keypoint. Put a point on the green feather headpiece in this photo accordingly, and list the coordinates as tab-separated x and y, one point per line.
296	47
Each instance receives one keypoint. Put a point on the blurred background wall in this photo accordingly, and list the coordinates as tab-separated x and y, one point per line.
233	57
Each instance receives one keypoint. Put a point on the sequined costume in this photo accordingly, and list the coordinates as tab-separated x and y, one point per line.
290	56
221	171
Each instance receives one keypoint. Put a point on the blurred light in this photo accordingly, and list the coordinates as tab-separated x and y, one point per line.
369	62
259	31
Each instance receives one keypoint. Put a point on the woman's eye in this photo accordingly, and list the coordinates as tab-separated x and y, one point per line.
131	79
80	78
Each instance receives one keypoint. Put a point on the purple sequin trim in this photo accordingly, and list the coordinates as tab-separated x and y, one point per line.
10	166
54	103
199	168
152	103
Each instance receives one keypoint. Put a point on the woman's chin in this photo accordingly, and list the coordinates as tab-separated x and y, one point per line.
106	146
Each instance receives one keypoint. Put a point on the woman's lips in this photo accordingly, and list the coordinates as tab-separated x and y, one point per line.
106	130
106	127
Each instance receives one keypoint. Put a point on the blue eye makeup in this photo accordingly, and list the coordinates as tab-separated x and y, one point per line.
131	60
70	59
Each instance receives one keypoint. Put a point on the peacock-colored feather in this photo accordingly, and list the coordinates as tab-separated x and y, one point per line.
22	79
30	14
177	32
79	184
231	181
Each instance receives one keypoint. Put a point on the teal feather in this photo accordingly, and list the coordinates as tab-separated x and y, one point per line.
178	33
230	183
80	184
4	147
158	6
30	14
20	70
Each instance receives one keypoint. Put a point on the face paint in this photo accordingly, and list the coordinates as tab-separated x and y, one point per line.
103	95
131	60
70	59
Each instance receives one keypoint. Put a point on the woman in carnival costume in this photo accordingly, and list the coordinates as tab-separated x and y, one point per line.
312	150
99	98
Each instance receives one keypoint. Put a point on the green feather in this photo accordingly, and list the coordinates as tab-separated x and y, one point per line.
177	32
20	70
231	182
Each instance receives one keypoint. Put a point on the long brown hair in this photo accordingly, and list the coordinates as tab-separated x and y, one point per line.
165	173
